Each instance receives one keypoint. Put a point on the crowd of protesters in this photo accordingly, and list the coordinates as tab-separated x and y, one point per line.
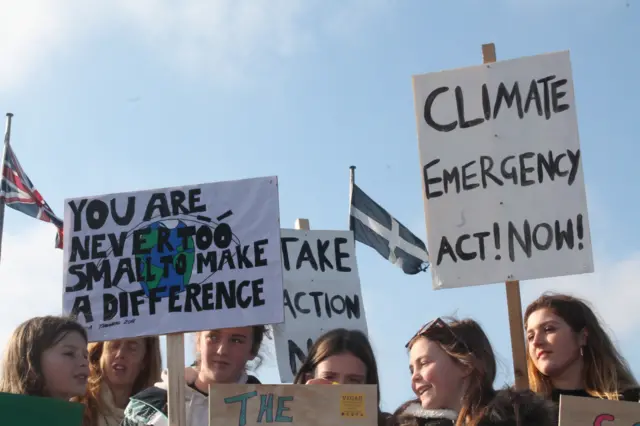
452	364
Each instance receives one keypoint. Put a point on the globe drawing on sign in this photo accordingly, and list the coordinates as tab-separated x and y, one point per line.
155	268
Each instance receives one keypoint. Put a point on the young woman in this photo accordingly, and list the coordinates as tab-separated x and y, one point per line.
222	357
570	353
344	357
453	368
46	356
119	369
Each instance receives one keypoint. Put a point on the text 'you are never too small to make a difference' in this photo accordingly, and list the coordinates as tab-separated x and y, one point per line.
117	259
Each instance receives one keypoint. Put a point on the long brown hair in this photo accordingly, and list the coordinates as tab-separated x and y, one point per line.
336	342
466	342
606	373
22	363
148	376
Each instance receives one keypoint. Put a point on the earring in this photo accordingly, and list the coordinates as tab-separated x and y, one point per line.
582	351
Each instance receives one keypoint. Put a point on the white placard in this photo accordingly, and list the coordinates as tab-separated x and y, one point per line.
175	259
322	292
502	172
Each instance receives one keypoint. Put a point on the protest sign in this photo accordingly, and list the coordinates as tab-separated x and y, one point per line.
308	405
578	411
502	172
174	260
321	292
23	410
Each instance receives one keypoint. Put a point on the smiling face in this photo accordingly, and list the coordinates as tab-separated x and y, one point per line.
344	368
554	347
122	361
437	379
224	354
65	367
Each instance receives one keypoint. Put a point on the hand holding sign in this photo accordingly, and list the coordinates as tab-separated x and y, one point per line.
320	381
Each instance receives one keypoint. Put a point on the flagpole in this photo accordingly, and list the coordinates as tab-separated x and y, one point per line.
7	138
352	180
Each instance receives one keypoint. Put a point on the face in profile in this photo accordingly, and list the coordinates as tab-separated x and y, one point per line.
553	346
437	379
224	353
344	368
122	361
65	367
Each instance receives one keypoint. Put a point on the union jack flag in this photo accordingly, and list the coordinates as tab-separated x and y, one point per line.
17	191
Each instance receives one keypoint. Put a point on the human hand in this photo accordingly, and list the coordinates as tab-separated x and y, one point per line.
320	382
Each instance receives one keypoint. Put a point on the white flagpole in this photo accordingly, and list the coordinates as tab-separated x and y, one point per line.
7	138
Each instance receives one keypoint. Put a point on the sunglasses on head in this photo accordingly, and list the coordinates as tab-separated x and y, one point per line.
437	323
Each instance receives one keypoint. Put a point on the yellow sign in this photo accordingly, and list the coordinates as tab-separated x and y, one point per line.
352	405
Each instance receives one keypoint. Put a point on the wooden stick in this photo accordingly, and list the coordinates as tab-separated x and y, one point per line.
175	365
514	303
302	224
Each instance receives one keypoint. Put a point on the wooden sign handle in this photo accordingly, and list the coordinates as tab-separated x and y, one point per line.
175	365
514	303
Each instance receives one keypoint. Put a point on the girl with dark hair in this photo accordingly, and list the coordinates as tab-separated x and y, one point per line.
453	368
344	357
570	353
46	356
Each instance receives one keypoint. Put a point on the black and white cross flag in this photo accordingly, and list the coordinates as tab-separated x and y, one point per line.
374	226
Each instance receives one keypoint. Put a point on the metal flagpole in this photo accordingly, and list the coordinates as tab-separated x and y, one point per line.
7	138
352	180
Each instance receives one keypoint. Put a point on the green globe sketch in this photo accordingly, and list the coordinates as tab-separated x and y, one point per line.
178	269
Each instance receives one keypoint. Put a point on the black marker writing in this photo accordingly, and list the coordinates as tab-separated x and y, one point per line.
525	169
320	303
317	255
205	297
523	238
543	94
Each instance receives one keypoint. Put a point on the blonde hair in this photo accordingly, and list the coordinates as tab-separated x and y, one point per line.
148	376
606	373
22	363
466	342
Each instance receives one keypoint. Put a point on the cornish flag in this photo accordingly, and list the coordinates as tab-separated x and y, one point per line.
374	226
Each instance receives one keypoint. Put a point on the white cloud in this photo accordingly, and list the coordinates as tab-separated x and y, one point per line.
30	277
224	40
33	33
612	290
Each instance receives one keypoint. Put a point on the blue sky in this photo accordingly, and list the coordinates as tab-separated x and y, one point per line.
151	94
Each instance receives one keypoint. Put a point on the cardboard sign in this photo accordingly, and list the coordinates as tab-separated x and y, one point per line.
309	405
22	410
502	174
321	292
174	260
577	411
